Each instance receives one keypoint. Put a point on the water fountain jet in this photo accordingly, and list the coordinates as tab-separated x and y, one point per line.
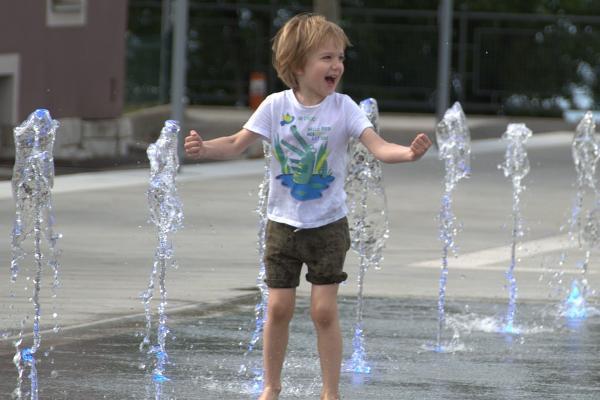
369	225
166	213
515	166
32	182
454	148
584	226
260	309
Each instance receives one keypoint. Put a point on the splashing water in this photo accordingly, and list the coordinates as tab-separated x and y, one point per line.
575	305
166	213
260	310
454	143
585	150
584	226
32	181
369	225
516	167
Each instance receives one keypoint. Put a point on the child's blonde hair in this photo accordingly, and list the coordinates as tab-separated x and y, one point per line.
298	37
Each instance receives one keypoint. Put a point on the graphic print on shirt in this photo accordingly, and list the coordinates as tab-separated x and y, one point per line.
286	119
305	171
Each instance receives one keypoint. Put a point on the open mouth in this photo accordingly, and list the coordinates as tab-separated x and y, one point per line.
330	80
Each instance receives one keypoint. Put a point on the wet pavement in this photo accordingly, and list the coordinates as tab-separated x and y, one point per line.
553	357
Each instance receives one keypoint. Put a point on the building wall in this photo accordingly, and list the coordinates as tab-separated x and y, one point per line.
75	70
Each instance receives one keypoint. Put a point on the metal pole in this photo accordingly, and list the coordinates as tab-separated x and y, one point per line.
178	70
462	55
165	37
330	9
444	57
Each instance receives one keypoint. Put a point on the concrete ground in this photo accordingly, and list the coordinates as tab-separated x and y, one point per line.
108	246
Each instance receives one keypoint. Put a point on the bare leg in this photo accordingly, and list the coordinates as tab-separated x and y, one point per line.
324	314
280	310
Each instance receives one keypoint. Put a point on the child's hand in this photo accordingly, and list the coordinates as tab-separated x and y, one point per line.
419	146
194	147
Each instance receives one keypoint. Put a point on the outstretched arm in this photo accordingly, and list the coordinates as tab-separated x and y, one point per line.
221	148
392	152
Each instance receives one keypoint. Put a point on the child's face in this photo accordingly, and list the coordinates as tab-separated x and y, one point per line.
322	72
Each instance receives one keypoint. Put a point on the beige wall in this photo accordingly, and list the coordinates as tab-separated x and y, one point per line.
75	69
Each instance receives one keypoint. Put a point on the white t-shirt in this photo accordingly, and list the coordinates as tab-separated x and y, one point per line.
309	146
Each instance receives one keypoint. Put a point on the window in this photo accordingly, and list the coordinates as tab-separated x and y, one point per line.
67	6
66	12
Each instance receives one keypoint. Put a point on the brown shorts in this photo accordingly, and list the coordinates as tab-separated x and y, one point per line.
322	249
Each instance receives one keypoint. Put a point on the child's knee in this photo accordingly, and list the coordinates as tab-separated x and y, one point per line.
279	312
323	315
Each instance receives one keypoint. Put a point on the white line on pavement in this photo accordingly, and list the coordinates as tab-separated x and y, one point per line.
124	178
488	258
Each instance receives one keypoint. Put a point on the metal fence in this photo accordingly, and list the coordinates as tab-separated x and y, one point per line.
512	63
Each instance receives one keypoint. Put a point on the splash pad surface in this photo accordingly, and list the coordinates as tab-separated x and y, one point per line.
553	358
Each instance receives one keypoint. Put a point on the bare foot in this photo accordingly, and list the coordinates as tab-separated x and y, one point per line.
328	396
270	393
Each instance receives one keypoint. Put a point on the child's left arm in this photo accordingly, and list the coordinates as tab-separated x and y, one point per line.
392	152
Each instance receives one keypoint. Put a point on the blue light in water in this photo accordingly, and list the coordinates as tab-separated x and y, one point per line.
258	382
358	362
27	355
158	377
161	356
575	303
510	328
41	113
438	348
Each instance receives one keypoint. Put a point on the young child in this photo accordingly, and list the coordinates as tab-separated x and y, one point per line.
309	127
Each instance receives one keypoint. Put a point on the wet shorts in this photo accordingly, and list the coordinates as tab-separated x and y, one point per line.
322	249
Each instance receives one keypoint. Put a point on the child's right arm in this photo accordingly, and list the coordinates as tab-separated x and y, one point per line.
221	148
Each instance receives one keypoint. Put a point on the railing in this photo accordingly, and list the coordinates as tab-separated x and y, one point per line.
514	63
